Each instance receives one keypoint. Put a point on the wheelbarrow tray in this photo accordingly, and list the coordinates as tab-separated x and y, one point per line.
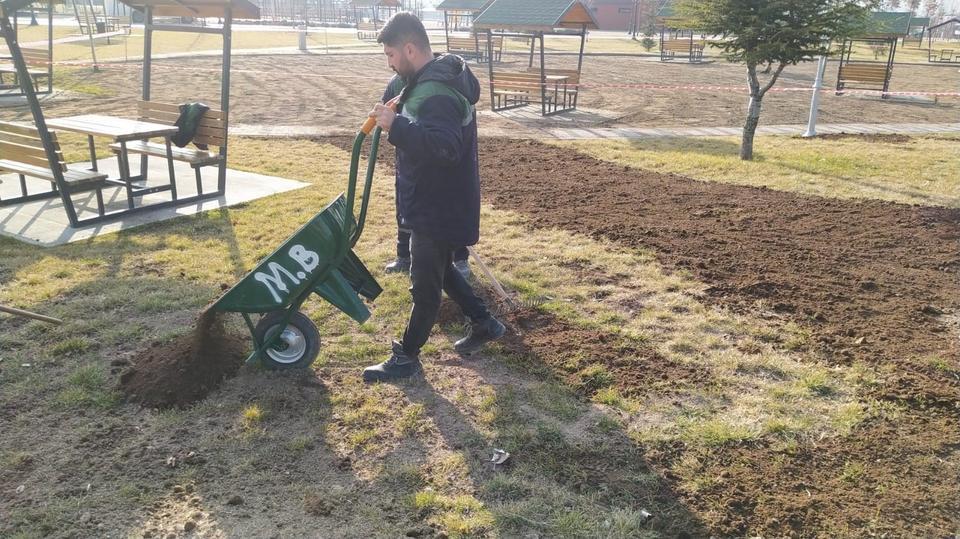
316	258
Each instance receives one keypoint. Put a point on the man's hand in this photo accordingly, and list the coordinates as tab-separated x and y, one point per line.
384	116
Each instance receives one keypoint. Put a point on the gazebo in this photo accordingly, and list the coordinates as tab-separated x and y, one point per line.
556	90
676	38
371	14
943	54
458	15
39	62
39	153
883	32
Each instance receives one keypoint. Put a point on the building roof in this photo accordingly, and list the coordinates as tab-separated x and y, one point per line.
462	5
371	3
242	9
889	23
535	15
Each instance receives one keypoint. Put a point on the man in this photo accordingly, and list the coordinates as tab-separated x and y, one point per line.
438	186
461	257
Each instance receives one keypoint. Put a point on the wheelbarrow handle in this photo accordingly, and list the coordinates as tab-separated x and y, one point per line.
372	122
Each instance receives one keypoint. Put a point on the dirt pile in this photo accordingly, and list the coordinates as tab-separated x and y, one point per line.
183	371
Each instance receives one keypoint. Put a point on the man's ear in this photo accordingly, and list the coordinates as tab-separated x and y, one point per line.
410	49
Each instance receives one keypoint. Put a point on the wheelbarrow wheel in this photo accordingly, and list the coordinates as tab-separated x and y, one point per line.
295	348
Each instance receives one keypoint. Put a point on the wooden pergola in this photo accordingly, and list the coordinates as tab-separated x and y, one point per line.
533	20
34	58
225	9
460	13
375	7
676	36
944	55
884	30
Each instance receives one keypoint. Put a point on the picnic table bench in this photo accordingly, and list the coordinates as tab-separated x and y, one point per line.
672	48
475	47
212	131
556	92
38	63
367	31
865	75
23	154
942	55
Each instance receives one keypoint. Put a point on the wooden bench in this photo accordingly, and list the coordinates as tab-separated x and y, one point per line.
367	31
517	89
571	87
475	47
212	131
23	154
865	75
38	66
672	48
943	55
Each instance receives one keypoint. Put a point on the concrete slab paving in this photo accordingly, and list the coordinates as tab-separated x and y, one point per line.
44	222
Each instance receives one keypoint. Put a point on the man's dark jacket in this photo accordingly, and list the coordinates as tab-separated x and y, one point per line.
438	179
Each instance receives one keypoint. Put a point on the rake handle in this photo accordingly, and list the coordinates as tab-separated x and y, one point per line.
28	314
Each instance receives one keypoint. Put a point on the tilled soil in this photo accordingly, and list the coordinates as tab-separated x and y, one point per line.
183	371
337	91
873	282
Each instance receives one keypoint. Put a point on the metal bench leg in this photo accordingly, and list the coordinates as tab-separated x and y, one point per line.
199	180
173	177
100	209
124	158
23	185
93	152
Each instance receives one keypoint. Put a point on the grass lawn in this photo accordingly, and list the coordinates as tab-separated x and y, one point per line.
331	453
918	170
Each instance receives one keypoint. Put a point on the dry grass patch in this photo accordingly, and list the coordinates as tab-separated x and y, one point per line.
918	171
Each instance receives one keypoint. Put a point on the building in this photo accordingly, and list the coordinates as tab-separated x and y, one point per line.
613	14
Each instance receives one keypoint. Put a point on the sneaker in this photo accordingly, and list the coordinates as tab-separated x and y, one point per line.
463	267
400	365
400	265
480	334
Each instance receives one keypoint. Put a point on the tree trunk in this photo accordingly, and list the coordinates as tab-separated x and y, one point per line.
753	114
750	128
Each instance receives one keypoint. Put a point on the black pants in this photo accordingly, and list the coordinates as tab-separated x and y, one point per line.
403	243
431	274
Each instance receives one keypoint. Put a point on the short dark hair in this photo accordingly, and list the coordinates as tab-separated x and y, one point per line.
403	28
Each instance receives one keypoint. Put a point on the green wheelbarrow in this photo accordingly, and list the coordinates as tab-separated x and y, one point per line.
318	258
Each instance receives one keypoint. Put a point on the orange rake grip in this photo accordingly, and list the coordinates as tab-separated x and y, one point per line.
372	122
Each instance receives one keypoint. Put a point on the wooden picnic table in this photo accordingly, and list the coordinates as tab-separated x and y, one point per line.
121	130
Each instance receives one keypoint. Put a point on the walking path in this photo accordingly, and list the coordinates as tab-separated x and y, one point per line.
574	133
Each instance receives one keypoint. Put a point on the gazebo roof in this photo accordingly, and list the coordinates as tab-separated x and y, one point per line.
888	23
944	23
535	15
462	5
372	3
242	9
15	5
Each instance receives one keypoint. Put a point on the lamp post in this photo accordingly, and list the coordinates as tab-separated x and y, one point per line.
815	100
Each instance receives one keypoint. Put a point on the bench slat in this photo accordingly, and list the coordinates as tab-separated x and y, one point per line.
193	156
169	107
72	177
